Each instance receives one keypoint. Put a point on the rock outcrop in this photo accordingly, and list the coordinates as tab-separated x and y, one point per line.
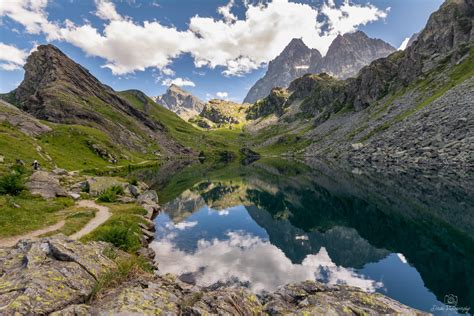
180	101
57	276
45	184
347	54
224	112
21	120
47	275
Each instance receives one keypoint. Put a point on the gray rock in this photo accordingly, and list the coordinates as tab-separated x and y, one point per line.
74	196
45	184
148	197
134	191
59	172
43	276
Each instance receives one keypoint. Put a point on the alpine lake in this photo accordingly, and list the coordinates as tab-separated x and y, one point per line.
261	225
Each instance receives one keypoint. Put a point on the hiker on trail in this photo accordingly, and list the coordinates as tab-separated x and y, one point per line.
35	165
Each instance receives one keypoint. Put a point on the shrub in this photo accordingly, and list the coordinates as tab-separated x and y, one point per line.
119	236
11	184
110	195
133	181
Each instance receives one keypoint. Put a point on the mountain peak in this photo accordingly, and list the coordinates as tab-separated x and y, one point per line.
180	101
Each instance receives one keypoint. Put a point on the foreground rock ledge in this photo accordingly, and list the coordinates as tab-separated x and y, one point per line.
56	276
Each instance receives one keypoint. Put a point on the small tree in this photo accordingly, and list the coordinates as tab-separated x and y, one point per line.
11	184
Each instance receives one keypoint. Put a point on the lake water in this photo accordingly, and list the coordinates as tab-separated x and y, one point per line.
408	236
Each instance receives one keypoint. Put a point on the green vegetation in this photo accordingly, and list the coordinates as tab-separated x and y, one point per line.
122	229
75	220
128	266
70	148
24	213
211	142
11	184
110	195
16	145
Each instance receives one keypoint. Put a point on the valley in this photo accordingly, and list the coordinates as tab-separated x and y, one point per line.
342	184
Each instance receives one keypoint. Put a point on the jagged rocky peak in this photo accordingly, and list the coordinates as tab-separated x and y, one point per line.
180	101
348	53
293	62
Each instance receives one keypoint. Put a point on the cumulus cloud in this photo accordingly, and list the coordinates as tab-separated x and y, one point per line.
31	14
251	259
178	82
11	58
222	95
106	10
404	44
237	45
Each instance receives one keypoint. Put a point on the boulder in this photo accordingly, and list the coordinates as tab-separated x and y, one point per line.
49	274
148	197
74	196
134	191
100	184
45	184
59	172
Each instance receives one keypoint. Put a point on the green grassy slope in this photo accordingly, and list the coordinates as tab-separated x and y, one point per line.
210	142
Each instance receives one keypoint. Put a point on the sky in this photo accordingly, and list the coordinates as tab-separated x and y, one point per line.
211	48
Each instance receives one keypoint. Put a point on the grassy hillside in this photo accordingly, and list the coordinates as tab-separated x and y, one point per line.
210	142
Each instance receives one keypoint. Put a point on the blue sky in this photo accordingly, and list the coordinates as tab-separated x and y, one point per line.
214	48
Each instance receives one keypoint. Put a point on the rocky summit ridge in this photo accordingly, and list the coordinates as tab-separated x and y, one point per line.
346	55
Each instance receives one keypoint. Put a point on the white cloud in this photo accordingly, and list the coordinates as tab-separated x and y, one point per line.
106	10
237	45
178	82
11	58
31	14
222	95
154	45
168	72
404	44
249	258
185	225
225	11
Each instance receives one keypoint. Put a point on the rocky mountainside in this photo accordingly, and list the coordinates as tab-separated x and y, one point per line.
347	54
293	62
57	89
374	109
180	101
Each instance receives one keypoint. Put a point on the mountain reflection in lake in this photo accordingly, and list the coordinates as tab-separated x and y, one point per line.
408	236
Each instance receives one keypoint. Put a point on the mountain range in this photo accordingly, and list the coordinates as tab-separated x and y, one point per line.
346	55
412	108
